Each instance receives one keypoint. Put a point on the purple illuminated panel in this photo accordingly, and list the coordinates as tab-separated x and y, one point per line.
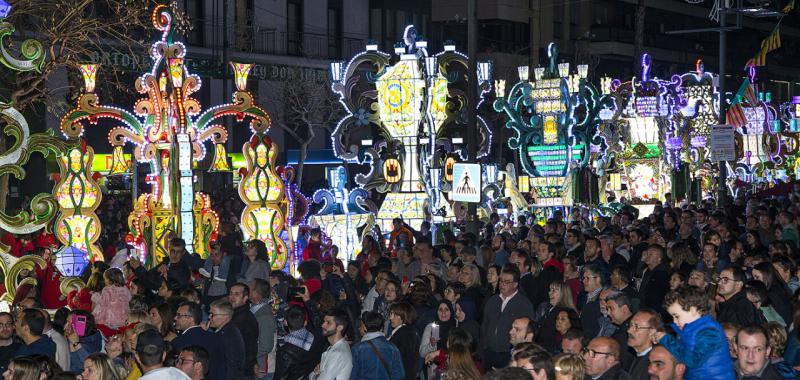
647	106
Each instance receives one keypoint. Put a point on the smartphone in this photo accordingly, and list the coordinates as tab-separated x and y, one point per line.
79	324
435	331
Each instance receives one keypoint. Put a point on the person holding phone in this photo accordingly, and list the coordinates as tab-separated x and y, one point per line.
84	338
434	337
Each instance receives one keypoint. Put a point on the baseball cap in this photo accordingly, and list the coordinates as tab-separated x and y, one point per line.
149	342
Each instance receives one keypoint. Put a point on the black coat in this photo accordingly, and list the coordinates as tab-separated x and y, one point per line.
739	310
407	341
217	354
247	324
546	334
234	351
590	314
655	285
621	336
638	369
292	363
769	373
614	373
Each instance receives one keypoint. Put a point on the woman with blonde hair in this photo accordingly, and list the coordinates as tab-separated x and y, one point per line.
569	367
559	299
22	368
99	366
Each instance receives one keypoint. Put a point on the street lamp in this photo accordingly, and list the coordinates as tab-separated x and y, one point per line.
523	73
583	71
563	69
336	71
484	71
538	73
500	88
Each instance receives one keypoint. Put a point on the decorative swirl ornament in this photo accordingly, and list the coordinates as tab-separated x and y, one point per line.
168	129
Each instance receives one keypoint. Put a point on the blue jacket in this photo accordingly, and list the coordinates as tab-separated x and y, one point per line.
42	346
367	366
89	345
702	346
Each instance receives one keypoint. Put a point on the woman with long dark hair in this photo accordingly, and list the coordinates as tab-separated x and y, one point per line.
777	289
403	335
256	263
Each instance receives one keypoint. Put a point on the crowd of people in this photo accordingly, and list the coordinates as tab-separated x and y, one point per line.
689	291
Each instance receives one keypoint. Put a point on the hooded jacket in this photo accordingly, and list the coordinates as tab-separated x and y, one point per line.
702	346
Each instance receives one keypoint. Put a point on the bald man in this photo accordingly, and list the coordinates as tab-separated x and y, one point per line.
602	360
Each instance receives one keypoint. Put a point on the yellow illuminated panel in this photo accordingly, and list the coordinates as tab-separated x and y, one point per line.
400	98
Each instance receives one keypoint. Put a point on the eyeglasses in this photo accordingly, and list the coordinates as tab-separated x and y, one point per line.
211	315
7	325
506	282
592	353
185	360
637	327
723	280
183	315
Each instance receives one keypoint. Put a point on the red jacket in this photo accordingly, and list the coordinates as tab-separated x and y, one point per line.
50	285
312	251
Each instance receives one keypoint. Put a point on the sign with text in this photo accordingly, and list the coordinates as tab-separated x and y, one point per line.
723	143
467	183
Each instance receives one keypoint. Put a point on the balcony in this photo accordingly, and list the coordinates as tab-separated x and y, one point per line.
308	45
269	41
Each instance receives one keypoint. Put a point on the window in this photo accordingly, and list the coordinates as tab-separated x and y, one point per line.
244	24
334	29
294	27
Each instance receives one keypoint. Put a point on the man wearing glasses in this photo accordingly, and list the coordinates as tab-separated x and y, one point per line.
187	321
735	308
602	360
641	325
193	361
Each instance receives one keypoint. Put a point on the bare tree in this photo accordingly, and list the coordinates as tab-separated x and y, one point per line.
304	109
73	32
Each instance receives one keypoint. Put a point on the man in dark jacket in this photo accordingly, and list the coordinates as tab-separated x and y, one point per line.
655	279
246	323
176	268
752	346
735	308
602	360
219	319
619	310
588	302
187	321
294	359
498	315
30	326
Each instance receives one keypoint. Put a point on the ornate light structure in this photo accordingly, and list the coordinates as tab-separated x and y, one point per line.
167	129
344	213
44	207
650	132
555	118
760	142
700	112
409	109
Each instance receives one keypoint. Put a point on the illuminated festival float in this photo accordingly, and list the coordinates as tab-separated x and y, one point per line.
168	129
73	200
555	117
405	115
790	137
758	132
650	133
700	112
346	217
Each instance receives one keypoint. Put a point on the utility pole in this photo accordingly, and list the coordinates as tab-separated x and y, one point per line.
472	95
224	73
